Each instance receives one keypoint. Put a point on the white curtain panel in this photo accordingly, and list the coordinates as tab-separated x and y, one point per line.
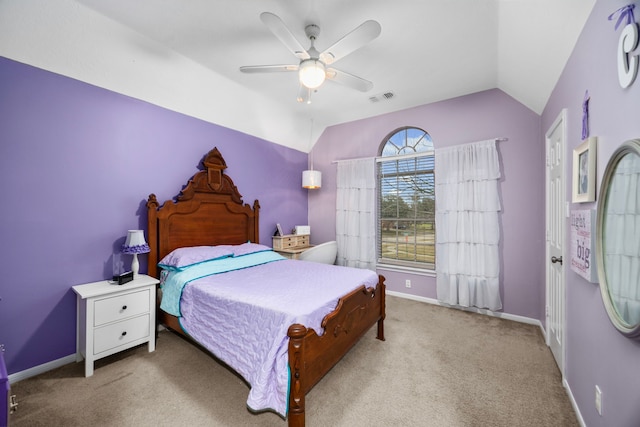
355	213
622	243
467	225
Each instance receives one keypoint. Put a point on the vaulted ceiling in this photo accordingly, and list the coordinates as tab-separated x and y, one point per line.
428	50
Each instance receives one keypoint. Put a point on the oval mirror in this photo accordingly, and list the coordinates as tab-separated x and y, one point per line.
618	238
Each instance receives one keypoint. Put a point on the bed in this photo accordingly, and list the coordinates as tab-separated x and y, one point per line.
209	211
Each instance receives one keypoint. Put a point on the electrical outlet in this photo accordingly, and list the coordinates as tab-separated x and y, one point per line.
407	283
598	400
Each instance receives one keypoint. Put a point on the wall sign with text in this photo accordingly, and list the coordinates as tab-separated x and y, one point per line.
583	238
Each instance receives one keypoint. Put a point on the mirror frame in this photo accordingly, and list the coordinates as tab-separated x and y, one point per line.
628	147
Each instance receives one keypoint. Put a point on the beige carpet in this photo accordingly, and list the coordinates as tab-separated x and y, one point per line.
438	367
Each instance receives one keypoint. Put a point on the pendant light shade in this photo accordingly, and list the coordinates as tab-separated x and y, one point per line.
311	179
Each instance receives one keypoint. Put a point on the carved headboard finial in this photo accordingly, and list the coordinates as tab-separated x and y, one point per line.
215	164
211	180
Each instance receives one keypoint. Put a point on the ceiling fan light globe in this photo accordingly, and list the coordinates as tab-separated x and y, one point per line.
312	73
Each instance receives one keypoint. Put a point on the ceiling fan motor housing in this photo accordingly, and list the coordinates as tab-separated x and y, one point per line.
312	31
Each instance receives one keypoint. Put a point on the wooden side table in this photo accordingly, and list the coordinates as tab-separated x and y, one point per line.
291	245
112	318
289	241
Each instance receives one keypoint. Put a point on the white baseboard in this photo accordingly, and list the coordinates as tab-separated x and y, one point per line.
515	317
573	403
40	369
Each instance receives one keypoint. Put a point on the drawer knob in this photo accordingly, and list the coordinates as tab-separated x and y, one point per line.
124	333
124	307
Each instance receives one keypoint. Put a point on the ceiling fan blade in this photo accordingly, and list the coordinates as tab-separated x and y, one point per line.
349	80
357	38
280	30
268	68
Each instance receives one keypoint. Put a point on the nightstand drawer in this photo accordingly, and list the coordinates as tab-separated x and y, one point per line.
121	333
290	241
121	307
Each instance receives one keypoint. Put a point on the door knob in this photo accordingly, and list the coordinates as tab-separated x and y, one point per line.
554	260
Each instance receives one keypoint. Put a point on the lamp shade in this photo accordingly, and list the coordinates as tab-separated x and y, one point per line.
311	179
311	73
135	243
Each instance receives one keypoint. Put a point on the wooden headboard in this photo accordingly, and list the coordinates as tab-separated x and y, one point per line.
208	211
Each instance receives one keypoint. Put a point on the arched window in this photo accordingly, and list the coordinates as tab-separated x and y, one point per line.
406	199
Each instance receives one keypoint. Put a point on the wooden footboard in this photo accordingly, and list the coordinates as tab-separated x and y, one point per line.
312	356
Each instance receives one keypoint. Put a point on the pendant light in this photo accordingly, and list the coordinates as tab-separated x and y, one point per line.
311	179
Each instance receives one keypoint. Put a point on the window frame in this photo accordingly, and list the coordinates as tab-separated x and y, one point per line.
428	246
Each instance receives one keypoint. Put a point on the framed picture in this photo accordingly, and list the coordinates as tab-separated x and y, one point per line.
279	230
584	171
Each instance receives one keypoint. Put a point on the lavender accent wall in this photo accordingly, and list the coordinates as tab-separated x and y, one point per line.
476	117
596	354
77	164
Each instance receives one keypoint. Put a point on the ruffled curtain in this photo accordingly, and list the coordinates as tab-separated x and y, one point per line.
467	225
355	213
622	243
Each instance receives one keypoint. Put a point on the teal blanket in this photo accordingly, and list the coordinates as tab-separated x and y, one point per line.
175	281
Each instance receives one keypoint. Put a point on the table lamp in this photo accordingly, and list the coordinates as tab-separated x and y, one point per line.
135	244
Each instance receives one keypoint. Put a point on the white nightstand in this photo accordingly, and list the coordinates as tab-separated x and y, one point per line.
112	318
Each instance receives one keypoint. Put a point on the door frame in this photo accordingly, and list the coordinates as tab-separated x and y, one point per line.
561	120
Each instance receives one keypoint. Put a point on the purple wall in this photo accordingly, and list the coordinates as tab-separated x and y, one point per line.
476	117
77	164
596	352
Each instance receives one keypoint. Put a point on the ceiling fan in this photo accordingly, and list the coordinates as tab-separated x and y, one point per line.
313	66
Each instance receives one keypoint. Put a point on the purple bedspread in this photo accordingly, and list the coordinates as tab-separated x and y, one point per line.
242	317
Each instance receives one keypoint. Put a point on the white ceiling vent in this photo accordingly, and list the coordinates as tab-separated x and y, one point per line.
382	97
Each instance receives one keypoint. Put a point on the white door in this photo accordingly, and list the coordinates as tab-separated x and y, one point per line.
555	225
